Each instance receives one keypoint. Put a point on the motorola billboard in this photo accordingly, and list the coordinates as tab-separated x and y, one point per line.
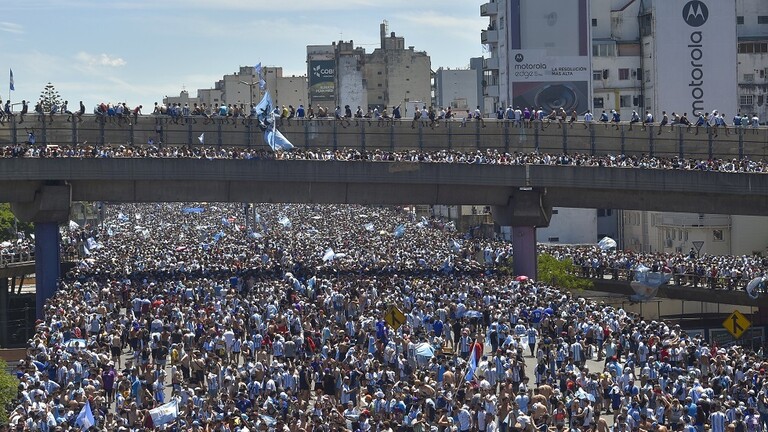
695	61
548	63
550	82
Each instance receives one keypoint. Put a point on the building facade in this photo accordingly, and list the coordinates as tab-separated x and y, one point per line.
341	74
680	56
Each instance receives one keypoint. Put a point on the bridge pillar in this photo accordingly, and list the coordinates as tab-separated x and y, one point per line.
50	208
4	287
526	210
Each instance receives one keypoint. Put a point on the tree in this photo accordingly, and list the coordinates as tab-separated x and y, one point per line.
8	223
48	96
9	386
561	274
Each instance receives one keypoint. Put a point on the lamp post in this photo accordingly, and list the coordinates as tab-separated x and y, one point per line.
250	90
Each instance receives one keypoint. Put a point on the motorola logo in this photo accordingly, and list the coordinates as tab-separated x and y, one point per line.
695	13
519	58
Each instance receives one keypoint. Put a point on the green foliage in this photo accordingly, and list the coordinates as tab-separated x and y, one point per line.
8	390
7	224
561	274
48	96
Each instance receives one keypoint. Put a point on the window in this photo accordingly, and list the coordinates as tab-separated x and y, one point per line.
598	102
753	47
604	213
501	23
378	73
623	74
555	211
597	75
594	22
739	20
746	100
379	85
553	239
604	50
625	101
749	77
762	19
639	74
717	235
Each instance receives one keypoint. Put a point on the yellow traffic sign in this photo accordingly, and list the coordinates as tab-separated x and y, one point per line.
736	324
394	317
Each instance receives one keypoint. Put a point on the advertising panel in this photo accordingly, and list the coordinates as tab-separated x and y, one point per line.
695	62
550	82
322	74
549	63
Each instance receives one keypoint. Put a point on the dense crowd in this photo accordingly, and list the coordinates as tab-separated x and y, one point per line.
279	318
490	156
690	268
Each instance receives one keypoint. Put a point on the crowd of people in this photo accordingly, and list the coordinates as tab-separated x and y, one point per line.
710	271
224	317
489	156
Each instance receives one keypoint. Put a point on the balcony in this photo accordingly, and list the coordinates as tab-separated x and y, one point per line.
489	9
491	63
489	37
491	91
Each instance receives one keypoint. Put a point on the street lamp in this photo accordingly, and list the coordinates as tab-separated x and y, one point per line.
250	90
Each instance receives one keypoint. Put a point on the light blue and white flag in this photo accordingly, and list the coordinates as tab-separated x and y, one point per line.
275	140
85	419
285	222
264	108
12	86
399	231
369	226
472	365
201	138
262	85
257	69
165	413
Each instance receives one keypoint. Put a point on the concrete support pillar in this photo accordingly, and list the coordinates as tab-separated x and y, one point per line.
47	263
4	290
524	247
50	208
526	210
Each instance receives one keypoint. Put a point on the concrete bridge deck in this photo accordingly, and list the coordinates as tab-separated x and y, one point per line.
292	181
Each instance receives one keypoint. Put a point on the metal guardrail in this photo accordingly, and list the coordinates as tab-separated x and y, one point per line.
678	279
15	258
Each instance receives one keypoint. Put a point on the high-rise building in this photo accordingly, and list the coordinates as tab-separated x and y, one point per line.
657	55
341	74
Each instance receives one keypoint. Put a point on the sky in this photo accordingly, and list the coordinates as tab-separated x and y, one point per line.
139	51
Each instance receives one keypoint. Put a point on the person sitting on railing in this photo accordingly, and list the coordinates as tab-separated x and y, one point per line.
604	118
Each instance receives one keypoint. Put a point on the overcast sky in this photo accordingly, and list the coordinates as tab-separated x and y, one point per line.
141	50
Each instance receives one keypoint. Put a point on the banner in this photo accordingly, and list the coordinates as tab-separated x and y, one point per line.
695	56
322	86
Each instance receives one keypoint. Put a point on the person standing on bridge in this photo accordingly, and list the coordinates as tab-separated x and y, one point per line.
588	117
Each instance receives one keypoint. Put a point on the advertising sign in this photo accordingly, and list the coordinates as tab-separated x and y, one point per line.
546	68
322	74
550	82
695	63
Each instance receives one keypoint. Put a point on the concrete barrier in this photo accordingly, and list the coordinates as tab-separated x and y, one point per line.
399	135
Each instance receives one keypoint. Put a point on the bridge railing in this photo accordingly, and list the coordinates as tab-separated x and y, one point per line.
503	136
14	258
678	279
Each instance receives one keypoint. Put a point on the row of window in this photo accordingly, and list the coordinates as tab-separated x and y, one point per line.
625	101
749	100
761	19
753	47
624	74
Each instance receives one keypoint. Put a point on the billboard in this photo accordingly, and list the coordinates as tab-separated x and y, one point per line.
695	61
545	69
322	76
